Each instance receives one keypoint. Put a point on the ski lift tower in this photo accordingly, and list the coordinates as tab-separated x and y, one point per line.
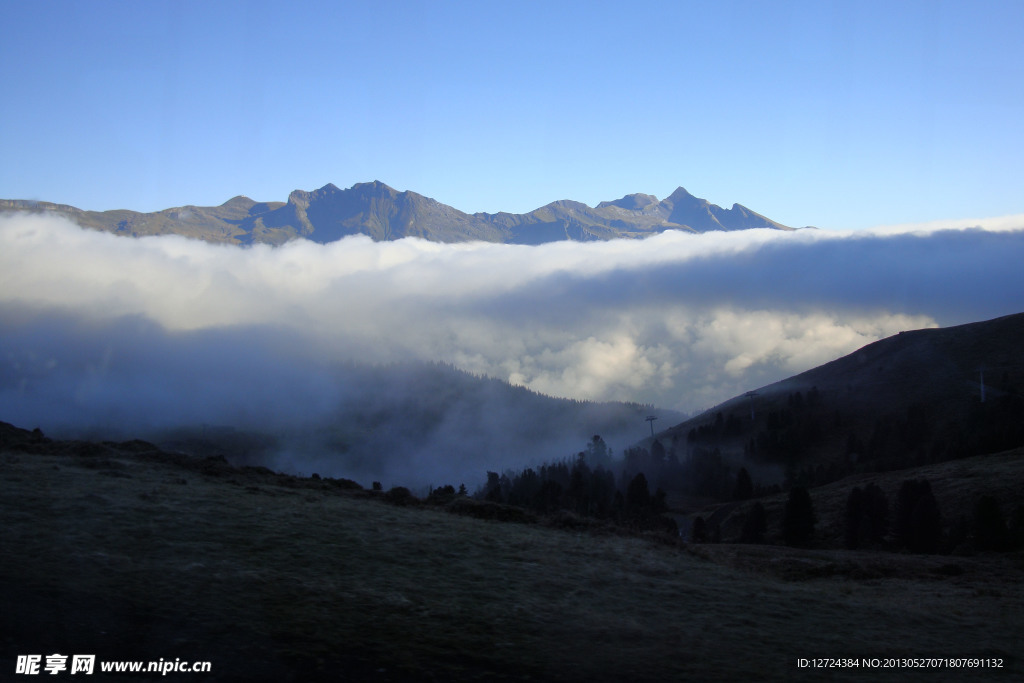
651	419
751	395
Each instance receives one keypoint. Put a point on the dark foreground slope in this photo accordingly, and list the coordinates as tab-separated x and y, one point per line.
124	552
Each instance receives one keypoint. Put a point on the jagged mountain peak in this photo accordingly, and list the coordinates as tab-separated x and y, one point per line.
680	193
683	199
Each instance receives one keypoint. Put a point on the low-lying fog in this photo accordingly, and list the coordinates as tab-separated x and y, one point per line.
101	333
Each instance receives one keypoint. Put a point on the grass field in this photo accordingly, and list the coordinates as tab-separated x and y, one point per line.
133	556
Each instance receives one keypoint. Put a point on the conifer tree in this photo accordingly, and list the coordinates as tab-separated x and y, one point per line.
699	531
989	525
755	525
854	515
918	521
638	496
798	520
744	485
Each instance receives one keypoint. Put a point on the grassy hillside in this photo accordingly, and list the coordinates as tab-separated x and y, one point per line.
126	552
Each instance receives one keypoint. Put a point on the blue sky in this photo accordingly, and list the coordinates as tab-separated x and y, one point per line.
840	115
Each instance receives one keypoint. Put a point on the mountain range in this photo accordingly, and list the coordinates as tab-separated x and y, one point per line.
383	213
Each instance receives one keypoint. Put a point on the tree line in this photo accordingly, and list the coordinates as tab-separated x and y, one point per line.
584	485
919	434
914	523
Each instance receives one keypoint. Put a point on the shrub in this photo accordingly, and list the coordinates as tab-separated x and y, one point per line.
441	495
485	509
399	495
343	483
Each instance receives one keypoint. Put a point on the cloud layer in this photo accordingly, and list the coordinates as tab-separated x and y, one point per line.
681	321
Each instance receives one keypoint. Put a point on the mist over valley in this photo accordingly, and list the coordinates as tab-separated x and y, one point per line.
328	353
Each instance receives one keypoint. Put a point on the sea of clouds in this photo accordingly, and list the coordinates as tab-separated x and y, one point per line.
99	329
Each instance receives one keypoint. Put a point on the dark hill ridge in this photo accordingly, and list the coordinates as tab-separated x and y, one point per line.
383	213
910	399
943	364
